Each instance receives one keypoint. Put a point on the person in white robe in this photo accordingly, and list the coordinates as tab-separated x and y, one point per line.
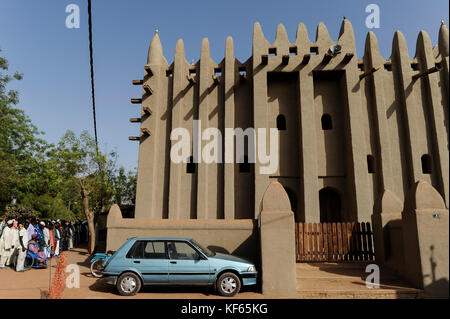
13	257
6	244
70	239
2	225
57	238
31	229
22	247
46	233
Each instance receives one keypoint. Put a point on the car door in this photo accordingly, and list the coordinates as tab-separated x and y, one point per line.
150	259
187	265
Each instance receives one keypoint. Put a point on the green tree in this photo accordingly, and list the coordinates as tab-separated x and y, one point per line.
124	184
85	169
70	180
20	146
20	211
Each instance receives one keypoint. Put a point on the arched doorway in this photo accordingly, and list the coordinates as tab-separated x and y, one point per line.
330	206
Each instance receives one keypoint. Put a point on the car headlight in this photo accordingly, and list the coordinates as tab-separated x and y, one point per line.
251	269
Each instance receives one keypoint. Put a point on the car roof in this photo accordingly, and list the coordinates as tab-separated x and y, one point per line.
161	238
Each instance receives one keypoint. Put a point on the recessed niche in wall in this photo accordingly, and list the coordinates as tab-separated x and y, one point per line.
272	51
371	164
245	166
314	50
426	164
415	66
192	71
218	72
169	72
293	50
283	106
281	123
327	123
388	67
191	166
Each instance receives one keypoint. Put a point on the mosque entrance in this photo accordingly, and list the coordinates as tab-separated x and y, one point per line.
333	239
330	206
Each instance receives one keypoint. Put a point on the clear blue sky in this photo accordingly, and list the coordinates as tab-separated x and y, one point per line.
55	91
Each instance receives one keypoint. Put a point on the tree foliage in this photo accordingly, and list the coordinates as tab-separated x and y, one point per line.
50	180
20	211
20	144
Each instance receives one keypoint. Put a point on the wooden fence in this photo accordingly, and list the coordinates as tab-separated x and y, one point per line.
334	242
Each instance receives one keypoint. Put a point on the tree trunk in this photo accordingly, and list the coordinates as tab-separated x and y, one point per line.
90	219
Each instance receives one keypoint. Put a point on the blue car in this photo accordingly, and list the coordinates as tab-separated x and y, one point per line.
175	261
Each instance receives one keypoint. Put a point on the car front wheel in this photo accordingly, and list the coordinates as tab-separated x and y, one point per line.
228	284
128	284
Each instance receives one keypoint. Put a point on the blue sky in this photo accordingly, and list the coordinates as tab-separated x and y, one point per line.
55	91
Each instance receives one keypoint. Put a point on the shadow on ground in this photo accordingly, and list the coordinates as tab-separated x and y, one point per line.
207	291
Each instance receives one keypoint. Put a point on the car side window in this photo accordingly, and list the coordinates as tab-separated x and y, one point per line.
147	250
155	250
136	251
181	251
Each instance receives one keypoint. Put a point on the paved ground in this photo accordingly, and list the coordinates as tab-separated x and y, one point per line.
314	280
34	284
348	281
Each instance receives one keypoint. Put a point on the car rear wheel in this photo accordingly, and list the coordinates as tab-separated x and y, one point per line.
128	284
228	284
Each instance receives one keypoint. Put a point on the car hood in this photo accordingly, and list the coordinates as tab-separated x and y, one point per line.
231	258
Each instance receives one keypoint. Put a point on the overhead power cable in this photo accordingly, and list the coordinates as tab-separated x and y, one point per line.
91	61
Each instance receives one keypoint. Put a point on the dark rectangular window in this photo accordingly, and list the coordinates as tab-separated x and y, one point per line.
191	166
371	164
314	50
218	72
426	164
293	50
327	123
244	167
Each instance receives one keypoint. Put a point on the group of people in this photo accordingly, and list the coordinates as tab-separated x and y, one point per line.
44	239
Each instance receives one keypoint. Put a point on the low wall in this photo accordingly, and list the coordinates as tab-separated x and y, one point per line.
237	237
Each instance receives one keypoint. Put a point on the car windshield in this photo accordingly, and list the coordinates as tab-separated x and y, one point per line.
204	250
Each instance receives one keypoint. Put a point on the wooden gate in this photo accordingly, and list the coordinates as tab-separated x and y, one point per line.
334	242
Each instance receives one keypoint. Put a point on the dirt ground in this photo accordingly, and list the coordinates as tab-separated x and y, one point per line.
35	283
314	280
